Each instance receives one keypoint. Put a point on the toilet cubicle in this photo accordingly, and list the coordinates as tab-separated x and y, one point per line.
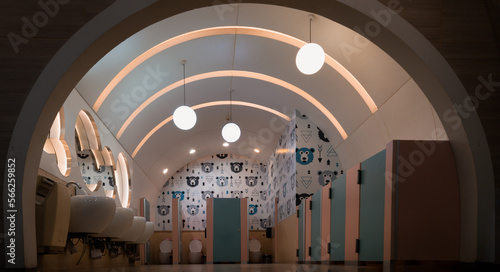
176	231
411	186
227	230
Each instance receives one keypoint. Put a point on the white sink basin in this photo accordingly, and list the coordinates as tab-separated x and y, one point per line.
119	225
137	228
148	231
91	214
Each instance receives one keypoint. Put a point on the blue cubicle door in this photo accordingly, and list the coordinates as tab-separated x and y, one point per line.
316	227
337	219
372	200
302	228
227	233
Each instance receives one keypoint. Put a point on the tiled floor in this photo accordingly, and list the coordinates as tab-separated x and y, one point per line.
233	267
415	267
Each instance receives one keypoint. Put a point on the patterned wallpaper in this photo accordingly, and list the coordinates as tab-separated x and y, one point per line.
91	175
282	173
317	162
221	176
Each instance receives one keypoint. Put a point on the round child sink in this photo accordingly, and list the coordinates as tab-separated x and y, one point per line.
135	230
119	225
91	214
148	231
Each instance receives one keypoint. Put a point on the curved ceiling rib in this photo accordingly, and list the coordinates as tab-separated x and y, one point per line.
232	73
225	30
205	105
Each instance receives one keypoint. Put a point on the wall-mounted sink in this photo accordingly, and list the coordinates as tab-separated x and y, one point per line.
137	228
148	231
91	214
119	225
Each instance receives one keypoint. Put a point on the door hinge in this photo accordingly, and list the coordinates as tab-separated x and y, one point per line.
329	249
298	213
357	246
297	252
310	205
359	176
330	193
310	251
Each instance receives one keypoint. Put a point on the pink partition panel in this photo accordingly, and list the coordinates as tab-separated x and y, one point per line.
352	213
210	231
275	231
390	180
244	230
308	229
325	222
176	234
428	215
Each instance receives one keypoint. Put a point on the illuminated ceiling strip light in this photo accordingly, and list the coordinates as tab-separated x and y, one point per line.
225	30
204	105
230	73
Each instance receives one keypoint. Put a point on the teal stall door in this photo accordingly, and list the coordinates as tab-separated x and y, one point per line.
316	227
372	200
302	227
227	236
337	219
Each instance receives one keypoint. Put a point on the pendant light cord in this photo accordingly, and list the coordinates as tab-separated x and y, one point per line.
231	105
310	29
184	72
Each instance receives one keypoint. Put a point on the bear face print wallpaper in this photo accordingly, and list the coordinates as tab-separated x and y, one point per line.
302	162
217	176
317	162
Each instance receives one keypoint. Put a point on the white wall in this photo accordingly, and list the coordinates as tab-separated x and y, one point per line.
141	185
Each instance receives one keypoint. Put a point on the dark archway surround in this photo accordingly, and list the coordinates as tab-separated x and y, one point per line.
403	43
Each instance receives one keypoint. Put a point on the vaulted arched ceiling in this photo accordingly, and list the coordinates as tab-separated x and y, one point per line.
361	97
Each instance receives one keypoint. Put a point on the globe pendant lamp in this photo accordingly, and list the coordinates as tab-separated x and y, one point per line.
311	56
184	116
231	132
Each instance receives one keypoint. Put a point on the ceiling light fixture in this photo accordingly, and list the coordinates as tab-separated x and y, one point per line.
256	150
184	116
225	144
192	151
311	56
165	171
231	132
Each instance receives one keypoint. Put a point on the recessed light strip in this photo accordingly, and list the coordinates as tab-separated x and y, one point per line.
246	74
204	105
225	30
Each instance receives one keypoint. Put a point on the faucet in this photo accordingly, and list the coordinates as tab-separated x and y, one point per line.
73	183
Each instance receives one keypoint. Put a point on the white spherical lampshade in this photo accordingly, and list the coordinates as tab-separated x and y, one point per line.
231	132
184	117
310	58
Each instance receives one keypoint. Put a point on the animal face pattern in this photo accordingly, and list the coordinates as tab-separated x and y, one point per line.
163	209
193	181
252	209
217	176
300	197
236	167
305	155
193	210
236	194
326	177
207	167
90	173
281	169
251	181
323	168
221	181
